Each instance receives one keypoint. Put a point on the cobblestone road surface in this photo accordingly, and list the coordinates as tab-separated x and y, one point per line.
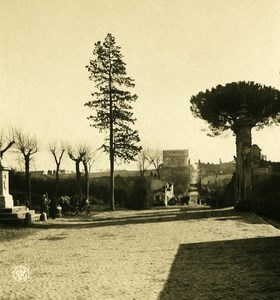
168	253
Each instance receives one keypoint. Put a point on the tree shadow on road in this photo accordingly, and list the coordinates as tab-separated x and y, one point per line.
14	232
144	217
236	269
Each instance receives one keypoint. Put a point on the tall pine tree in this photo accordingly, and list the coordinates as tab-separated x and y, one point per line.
112	104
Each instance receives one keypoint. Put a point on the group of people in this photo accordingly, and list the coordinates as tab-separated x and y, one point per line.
48	206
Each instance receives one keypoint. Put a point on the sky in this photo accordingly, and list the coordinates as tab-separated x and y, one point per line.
173	49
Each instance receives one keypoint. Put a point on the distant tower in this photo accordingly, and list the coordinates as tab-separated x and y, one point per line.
175	158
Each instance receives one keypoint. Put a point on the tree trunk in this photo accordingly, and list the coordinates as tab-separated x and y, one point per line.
112	150
112	182
158	173
87	179
27	179
78	179
56	182
243	184
112	166
87	187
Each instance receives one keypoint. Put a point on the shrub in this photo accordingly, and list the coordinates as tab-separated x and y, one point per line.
130	192
139	197
267	197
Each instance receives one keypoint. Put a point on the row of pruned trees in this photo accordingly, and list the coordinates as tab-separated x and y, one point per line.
27	145
81	155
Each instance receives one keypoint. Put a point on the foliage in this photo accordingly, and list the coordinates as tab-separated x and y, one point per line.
130	192
267	197
180	177
40	184
112	104
139	197
220	106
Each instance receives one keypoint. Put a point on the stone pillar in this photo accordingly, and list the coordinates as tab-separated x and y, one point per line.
243	184
6	200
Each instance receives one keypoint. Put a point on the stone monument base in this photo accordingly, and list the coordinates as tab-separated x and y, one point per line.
6	201
193	198
18	215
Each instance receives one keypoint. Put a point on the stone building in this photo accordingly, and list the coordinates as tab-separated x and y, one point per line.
175	158
216	175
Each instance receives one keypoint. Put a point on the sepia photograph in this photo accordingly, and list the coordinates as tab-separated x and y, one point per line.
140	149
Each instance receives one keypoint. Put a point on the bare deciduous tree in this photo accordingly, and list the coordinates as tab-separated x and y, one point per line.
77	155
142	162
57	150
155	158
5	140
88	161
27	145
